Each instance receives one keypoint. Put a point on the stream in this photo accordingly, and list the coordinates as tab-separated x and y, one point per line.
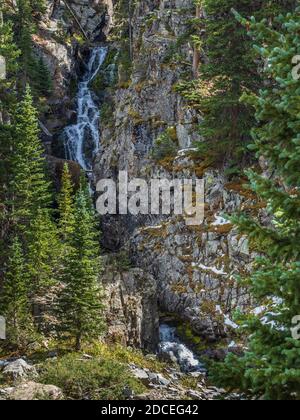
171	345
82	140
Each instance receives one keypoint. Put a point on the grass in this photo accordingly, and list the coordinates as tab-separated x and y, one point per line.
96	379
125	355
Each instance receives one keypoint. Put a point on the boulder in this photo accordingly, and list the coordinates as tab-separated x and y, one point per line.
32	391
158	379
141	375
18	369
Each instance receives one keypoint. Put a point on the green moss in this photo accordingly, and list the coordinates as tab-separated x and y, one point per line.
186	332
107	114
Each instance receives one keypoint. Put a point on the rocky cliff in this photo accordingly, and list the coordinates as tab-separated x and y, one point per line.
188	271
194	267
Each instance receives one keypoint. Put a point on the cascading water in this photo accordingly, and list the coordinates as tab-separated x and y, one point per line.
171	344
82	139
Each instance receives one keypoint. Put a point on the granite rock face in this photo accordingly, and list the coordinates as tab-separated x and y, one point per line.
132	307
194	266
186	270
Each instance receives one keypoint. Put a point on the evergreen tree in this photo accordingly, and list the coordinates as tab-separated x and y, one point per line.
270	367
25	17
29	189
66	206
80	307
42	263
10	52
42	82
14	304
227	72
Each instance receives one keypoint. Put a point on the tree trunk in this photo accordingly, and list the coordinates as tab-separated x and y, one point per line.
78	342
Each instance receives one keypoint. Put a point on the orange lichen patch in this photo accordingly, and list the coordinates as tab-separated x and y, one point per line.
167	163
201	168
190	271
209	307
135	117
198	288
138	87
156	122
155	231
179	288
158	247
254	208
186	258
221	229
197	228
241	189
181	167
206	207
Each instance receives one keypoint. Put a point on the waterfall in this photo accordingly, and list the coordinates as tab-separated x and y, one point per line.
170	344
82	140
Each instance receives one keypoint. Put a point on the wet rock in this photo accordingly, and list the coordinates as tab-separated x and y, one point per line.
167	357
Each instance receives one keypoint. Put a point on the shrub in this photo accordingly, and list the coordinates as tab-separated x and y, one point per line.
97	379
166	145
121	354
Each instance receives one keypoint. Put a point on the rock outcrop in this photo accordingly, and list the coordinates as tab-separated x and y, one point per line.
31	391
189	270
194	266
132	307
18	369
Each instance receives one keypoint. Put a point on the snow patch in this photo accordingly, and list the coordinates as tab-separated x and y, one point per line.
220	221
183	152
215	270
227	321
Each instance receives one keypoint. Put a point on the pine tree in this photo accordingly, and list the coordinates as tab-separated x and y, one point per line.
29	188
270	367
14	304
10	52
43	83
25	25
80	306
66	206
228	71
42	255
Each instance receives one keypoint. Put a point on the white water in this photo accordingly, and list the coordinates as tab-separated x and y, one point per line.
84	135
171	344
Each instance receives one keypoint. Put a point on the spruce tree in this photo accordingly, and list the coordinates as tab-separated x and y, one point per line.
227	72
29	188
66	206
80	306
270	367
14	303
43	250
10	52
43	81
26	13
